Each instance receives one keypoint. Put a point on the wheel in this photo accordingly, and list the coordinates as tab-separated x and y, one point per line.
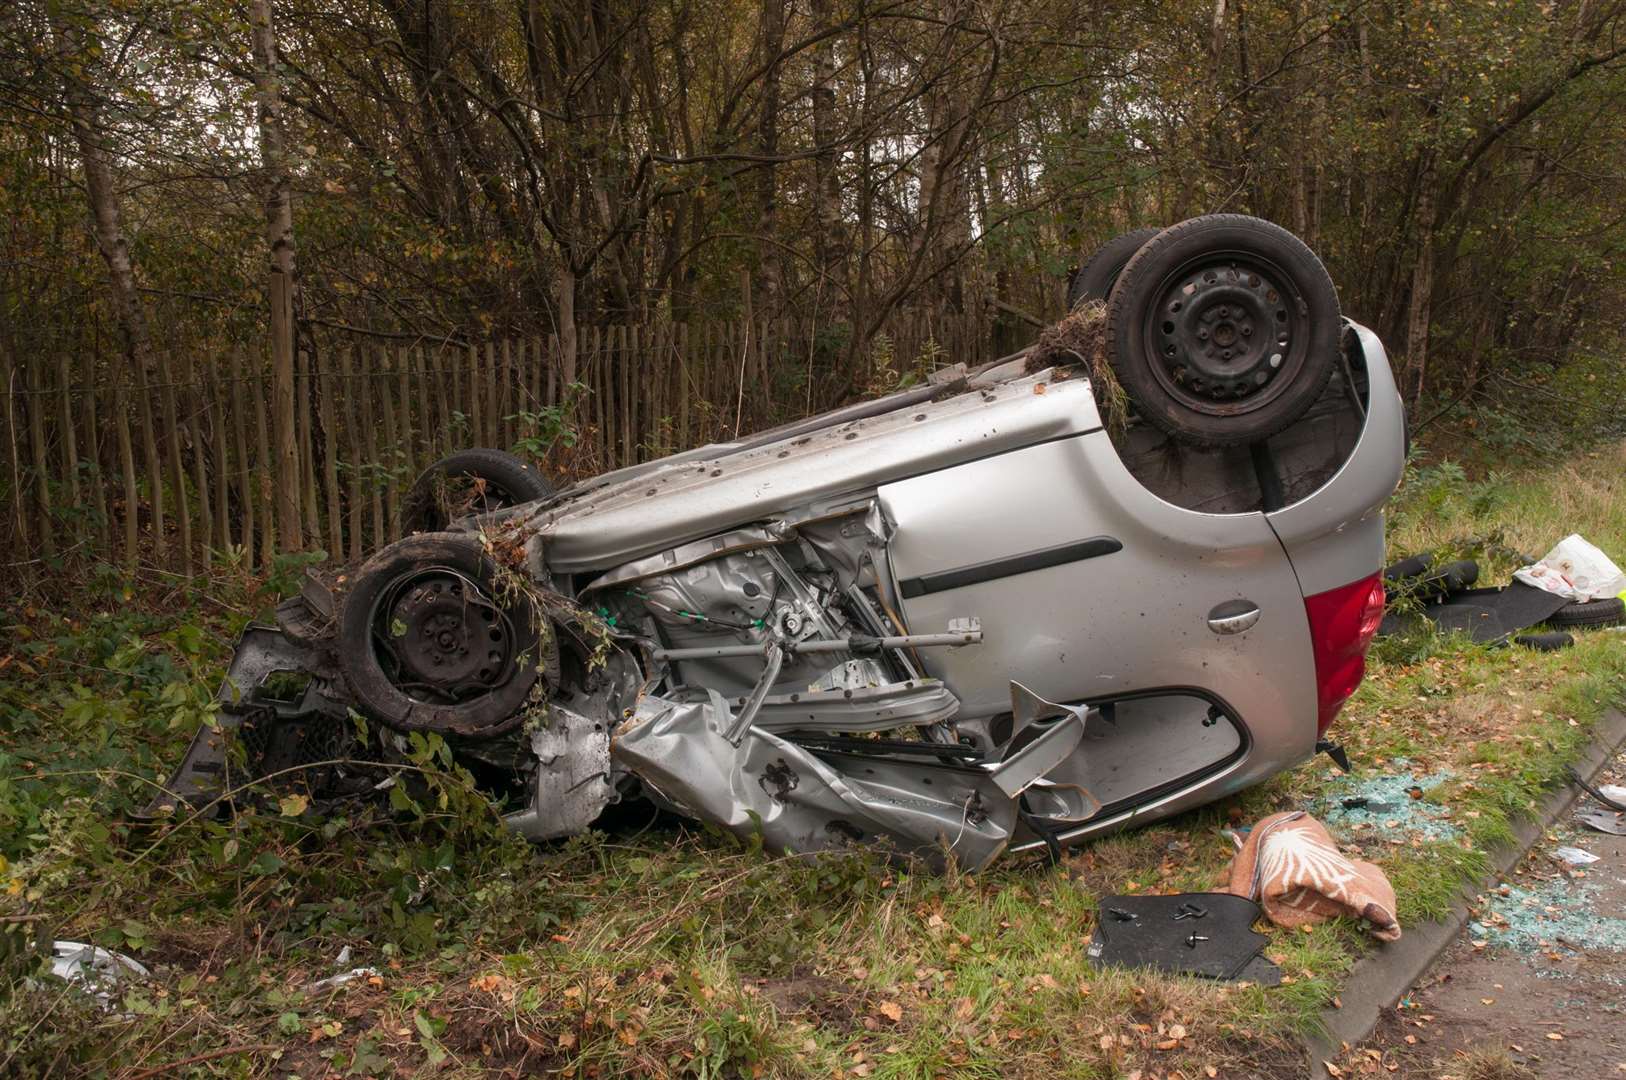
1411	567
1223	329
1606	612
1095	278
469	482
1454	577
428	641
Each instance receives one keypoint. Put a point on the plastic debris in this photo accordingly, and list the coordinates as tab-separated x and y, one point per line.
1575	856
1574	569
333	982
1210	935
1603	820
94	969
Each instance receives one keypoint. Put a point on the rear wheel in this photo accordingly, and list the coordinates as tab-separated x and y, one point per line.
1223	329
430	640
1100	271
469	482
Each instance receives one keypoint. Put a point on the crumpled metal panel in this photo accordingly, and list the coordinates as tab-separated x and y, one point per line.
571	785
803	801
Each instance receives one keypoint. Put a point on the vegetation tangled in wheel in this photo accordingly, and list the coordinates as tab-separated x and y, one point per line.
469	482
431	640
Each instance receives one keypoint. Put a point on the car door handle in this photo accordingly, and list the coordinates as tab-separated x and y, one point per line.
1233	617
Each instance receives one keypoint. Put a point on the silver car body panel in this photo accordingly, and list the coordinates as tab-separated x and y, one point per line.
1335	535
599	527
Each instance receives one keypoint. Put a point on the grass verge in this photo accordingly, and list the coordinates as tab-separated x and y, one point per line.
660	951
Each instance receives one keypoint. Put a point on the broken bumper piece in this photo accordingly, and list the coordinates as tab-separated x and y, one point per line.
816	797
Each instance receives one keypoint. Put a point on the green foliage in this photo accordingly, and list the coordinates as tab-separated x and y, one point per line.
551	426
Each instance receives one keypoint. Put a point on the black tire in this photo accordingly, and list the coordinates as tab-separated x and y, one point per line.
1100	271
1409	567
1456	576
1182	322
469	482
1550	642
414	617
1605	612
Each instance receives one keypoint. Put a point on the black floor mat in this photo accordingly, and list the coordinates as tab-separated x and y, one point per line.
1487	614
1218	943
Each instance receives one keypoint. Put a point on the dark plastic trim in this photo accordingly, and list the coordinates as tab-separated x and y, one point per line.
1010	566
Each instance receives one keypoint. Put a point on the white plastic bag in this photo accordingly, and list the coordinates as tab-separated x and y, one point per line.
1576	569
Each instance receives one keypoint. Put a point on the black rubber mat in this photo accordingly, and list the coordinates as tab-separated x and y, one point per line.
1491	614
1487	614
1206	934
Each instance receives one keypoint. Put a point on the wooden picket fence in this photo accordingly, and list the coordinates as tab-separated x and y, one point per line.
177	467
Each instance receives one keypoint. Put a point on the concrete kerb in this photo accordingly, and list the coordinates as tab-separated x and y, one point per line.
1380	978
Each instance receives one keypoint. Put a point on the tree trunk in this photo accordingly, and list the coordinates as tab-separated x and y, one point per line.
829	239
768	259
1420	308
279	237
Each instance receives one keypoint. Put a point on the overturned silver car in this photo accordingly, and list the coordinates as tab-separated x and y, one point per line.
973	616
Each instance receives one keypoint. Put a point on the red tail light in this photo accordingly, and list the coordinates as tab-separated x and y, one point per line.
1343	622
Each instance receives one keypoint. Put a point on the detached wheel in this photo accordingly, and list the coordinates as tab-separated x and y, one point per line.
1223	329
1605	612
429	642
467	483
1100	271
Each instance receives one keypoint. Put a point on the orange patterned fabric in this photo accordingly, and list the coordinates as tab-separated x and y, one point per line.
1292	867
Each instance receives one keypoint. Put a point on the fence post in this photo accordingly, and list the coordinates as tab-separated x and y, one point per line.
70	448
627	337
218	440
504	426
403	386
93	448
683	383
476	397
370	433
306	385
265	477
239	433
352	429
39	460
127	470
390	461
330	463
200	467
155	472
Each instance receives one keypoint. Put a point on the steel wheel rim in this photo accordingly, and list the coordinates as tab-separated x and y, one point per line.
440	639
1226	334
